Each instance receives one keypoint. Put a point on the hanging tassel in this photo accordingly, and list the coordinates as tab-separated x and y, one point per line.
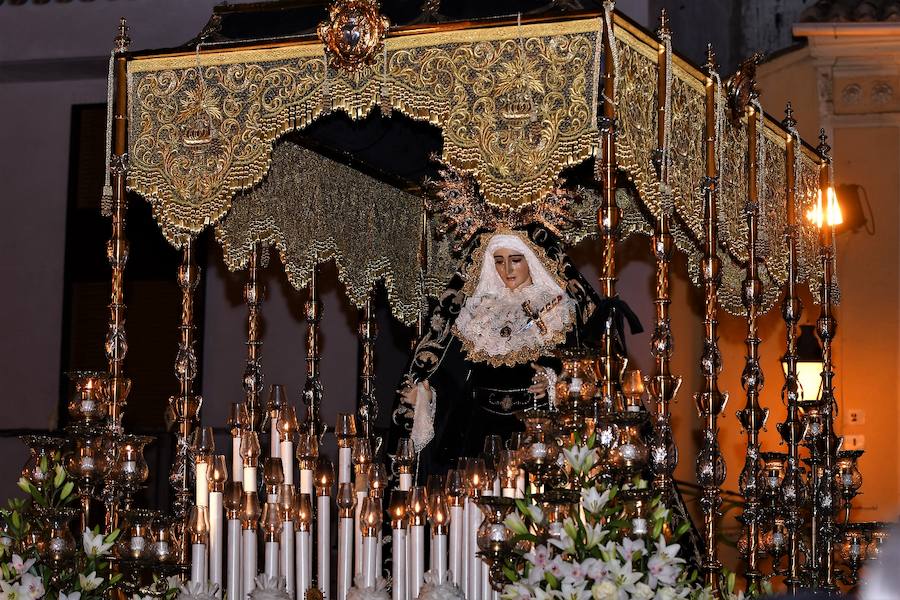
106	197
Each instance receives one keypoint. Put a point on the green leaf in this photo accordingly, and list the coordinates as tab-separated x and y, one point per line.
510	574
24	485
16	520
43	464
67	490
551	580
682	529
657	529
111	537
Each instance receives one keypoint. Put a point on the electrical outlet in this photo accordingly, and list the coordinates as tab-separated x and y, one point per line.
854	442
855	416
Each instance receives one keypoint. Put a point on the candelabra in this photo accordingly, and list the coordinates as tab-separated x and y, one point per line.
711	402
253	377
663	386
791	493
312	388
752	416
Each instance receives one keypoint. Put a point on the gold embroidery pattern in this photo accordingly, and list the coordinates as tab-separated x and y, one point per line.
314	210
515	105
514	112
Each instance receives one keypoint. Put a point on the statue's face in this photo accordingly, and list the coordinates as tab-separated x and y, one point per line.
512	268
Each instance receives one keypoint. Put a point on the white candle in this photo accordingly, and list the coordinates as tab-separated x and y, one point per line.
287	461
379	555
286	557
509	492
202	483
439	555
370	566
473	575
274	447
237	463
248	553
520	484
358	563
250	479
323	512
416	559
271	564
345	462
496	486
234	559
198	563
215	538
345	557
304	563
398	575
405	481
306	481
457	523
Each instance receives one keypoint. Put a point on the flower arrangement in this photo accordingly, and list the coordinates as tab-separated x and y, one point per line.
591	543
38	555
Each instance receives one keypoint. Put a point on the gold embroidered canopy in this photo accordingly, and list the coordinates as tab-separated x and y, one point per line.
515	104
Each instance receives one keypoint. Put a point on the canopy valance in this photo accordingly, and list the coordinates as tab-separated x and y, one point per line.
515	104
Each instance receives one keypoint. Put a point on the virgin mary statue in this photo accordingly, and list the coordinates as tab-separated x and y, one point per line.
488	351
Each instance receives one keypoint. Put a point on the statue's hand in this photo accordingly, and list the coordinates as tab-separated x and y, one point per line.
539	382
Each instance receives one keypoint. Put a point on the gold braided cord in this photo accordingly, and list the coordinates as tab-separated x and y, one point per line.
314	210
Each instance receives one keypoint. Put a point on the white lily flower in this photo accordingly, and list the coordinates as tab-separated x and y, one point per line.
592	500
624	578
536	514
90	581
629	546
94	545
20	566
32	586
71	596
581	458
12	591
594	535
515	523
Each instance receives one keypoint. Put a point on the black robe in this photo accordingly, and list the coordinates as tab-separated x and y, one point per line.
475	399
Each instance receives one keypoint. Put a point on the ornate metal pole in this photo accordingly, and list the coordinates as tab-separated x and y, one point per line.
711	402
752	416
792	428
116	344
186	405
663	386
253	377
827	325
609	213
312	389
368	406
